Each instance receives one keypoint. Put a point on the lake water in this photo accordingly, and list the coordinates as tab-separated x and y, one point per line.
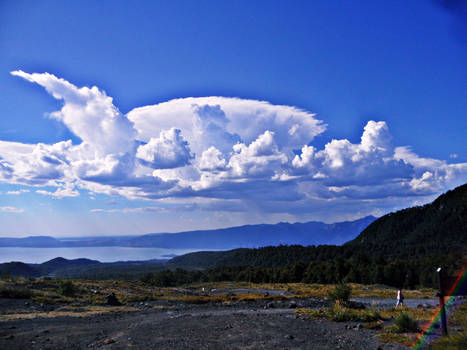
103	254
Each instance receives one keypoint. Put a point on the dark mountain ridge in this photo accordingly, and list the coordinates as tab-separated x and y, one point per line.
248	236
62	263
86	268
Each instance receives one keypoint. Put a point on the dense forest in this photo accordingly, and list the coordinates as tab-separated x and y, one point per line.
360	268
439	227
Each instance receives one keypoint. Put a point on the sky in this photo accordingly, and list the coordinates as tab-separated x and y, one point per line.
121	117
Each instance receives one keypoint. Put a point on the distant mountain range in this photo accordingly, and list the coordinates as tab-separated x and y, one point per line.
416	239
248	236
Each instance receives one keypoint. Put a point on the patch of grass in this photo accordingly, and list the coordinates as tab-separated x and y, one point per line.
51	299
312	313
374	318
68	311
404	323
399	338
421	315
249	296
341	313
452	342
459	317
395	334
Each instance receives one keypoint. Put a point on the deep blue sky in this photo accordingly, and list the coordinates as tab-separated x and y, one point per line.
349	62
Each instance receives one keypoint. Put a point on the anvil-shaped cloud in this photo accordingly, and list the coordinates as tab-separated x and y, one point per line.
213	147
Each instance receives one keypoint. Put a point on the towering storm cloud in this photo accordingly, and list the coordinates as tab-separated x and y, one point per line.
214	149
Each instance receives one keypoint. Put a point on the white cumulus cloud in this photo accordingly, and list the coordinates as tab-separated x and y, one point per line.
261	158
167	151
212	160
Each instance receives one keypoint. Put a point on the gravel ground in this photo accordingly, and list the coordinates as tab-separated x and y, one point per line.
185	326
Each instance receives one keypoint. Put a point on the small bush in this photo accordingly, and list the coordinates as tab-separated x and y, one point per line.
6	276
15	293
341	293
339	312
405	323
66	287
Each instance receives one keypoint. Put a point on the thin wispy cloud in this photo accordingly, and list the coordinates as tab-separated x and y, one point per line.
11	210
128	210
16	193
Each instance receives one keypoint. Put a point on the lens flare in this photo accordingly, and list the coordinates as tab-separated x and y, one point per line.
458	288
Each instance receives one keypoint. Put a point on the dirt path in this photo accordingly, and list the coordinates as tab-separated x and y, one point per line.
389	303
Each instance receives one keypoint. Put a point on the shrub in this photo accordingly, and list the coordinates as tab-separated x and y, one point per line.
374	314
66	287
405	323
6	276
341	293
15	293
339	312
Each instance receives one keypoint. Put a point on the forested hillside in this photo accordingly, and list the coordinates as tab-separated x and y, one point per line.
399	249
436	228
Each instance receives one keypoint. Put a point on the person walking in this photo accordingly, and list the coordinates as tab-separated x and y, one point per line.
400	298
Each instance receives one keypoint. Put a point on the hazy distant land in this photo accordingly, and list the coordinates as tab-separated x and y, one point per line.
247	236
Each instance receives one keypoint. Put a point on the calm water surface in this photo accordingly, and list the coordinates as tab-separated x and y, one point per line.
103	254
